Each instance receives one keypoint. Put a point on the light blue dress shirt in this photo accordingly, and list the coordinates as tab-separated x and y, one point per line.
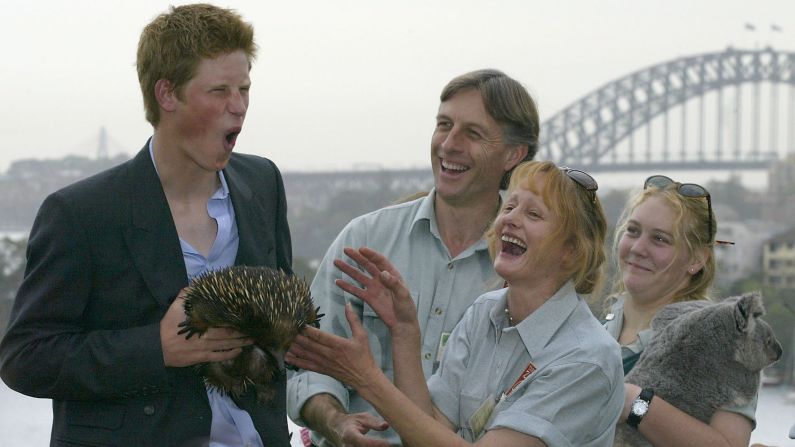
231	426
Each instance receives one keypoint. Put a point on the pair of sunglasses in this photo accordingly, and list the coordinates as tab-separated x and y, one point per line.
690	190
582	178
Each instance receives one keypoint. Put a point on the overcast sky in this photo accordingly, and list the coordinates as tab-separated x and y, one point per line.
344	83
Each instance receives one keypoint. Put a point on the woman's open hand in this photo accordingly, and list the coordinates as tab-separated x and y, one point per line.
348	360
382	287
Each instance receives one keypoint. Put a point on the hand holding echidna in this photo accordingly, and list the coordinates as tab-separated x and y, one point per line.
215	345
264	304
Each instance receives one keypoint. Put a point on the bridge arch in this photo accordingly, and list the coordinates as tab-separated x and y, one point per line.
587	132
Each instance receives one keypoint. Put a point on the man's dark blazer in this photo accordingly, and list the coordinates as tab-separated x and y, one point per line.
104	264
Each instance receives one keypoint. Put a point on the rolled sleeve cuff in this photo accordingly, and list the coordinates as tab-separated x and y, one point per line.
530	425
748	410
306	384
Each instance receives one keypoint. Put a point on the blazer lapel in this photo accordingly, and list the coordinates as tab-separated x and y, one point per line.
152	238
249	216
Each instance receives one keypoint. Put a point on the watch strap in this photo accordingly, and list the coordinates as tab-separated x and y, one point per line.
634	418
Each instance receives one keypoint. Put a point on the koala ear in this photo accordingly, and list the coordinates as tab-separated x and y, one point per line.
747	308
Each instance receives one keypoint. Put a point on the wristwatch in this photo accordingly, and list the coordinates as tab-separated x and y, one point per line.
639	407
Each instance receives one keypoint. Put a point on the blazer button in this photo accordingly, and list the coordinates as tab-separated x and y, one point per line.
149	410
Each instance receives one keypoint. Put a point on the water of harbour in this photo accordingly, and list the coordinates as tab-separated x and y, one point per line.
26	422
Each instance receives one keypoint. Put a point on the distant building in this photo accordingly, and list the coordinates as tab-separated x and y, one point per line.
778	260
781	177
745	256
779	204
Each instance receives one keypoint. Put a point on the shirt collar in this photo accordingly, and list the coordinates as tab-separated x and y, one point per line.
538	328
221	193
615	321
427	212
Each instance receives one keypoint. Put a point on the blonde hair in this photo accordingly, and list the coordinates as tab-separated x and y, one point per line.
174	43
581	221
690	233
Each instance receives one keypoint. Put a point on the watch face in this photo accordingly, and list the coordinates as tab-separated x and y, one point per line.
640	407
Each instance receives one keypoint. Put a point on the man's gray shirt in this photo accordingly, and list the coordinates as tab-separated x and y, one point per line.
442	287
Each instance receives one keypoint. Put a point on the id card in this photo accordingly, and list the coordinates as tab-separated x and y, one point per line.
442	344
479	419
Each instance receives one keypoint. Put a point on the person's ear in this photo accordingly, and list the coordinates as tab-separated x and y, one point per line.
699	261
514	155
166	95
567	257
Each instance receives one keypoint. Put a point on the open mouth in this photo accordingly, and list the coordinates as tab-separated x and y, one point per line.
231	137
512	245
453	168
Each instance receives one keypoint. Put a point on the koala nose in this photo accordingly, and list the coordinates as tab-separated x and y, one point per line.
777	351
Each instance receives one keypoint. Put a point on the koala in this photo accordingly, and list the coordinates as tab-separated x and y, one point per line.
704	356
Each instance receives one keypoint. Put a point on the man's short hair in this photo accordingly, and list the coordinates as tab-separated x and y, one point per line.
174	43
508	102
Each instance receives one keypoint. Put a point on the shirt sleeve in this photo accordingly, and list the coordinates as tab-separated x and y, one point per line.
331	299
571	404
748	410
48	351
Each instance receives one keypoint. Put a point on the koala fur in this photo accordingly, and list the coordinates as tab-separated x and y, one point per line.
704	356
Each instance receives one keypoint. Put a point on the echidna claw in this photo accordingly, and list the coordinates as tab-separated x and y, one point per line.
316	323
188	329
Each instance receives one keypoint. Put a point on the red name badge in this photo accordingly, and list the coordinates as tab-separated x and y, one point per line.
522	377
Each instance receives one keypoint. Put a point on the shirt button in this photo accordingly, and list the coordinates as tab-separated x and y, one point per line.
149	410
450	266
438	311
427	356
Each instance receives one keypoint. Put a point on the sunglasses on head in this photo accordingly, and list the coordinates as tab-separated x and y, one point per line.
582	178
691	190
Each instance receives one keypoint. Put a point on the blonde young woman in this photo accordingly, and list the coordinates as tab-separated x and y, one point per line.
664	247
528	365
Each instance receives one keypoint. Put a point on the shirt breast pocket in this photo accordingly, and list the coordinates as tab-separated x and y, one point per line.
473	413
378	335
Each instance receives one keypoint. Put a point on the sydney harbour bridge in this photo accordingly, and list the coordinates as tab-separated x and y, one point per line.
725	111
729	110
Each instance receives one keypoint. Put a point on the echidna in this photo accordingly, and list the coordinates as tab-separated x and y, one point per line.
265	304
